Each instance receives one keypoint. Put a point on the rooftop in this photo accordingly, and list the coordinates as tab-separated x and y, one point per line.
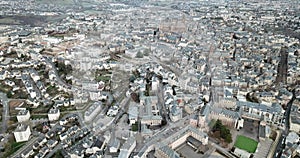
53	111
21	128
23	112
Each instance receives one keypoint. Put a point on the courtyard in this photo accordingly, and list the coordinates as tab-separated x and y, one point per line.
187	151
250	129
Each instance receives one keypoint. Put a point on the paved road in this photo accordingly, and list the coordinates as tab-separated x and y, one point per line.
208	153
222	150
161	101
168	67
287	127
5	114
58	79
282	66
54	150
28	144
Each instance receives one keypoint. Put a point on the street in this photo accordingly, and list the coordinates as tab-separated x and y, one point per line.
279	148
58	79
5	114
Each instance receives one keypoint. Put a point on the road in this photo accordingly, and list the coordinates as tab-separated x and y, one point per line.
208	153
160	95
58	79
282	66
5	114
54	150
279	149
209	62
172	69
28	144
224	151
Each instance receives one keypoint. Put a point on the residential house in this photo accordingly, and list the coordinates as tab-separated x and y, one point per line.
27	152
175	112
53	114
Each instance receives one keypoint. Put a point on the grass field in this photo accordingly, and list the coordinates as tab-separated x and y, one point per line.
246	143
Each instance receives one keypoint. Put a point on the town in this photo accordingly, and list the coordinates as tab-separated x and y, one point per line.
165	79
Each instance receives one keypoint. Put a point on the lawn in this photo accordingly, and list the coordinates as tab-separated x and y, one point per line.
246	144
34	117
102	78
134	127
12	147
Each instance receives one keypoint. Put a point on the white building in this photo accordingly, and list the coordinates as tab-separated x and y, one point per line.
92	111
127	147
292	138
132	113
53	114
295	117
23	116
114	145
95	95
112	111
155	83
22	133
175	113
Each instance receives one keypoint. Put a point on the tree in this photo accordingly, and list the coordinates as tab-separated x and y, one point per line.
135	97
228	138
139	54
9	94
147	52
224	131
132	78
218	125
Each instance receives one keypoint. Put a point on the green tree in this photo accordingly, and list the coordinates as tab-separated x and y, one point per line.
224	131
228	138
147	52
132	78
218	125
139	54
9	94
